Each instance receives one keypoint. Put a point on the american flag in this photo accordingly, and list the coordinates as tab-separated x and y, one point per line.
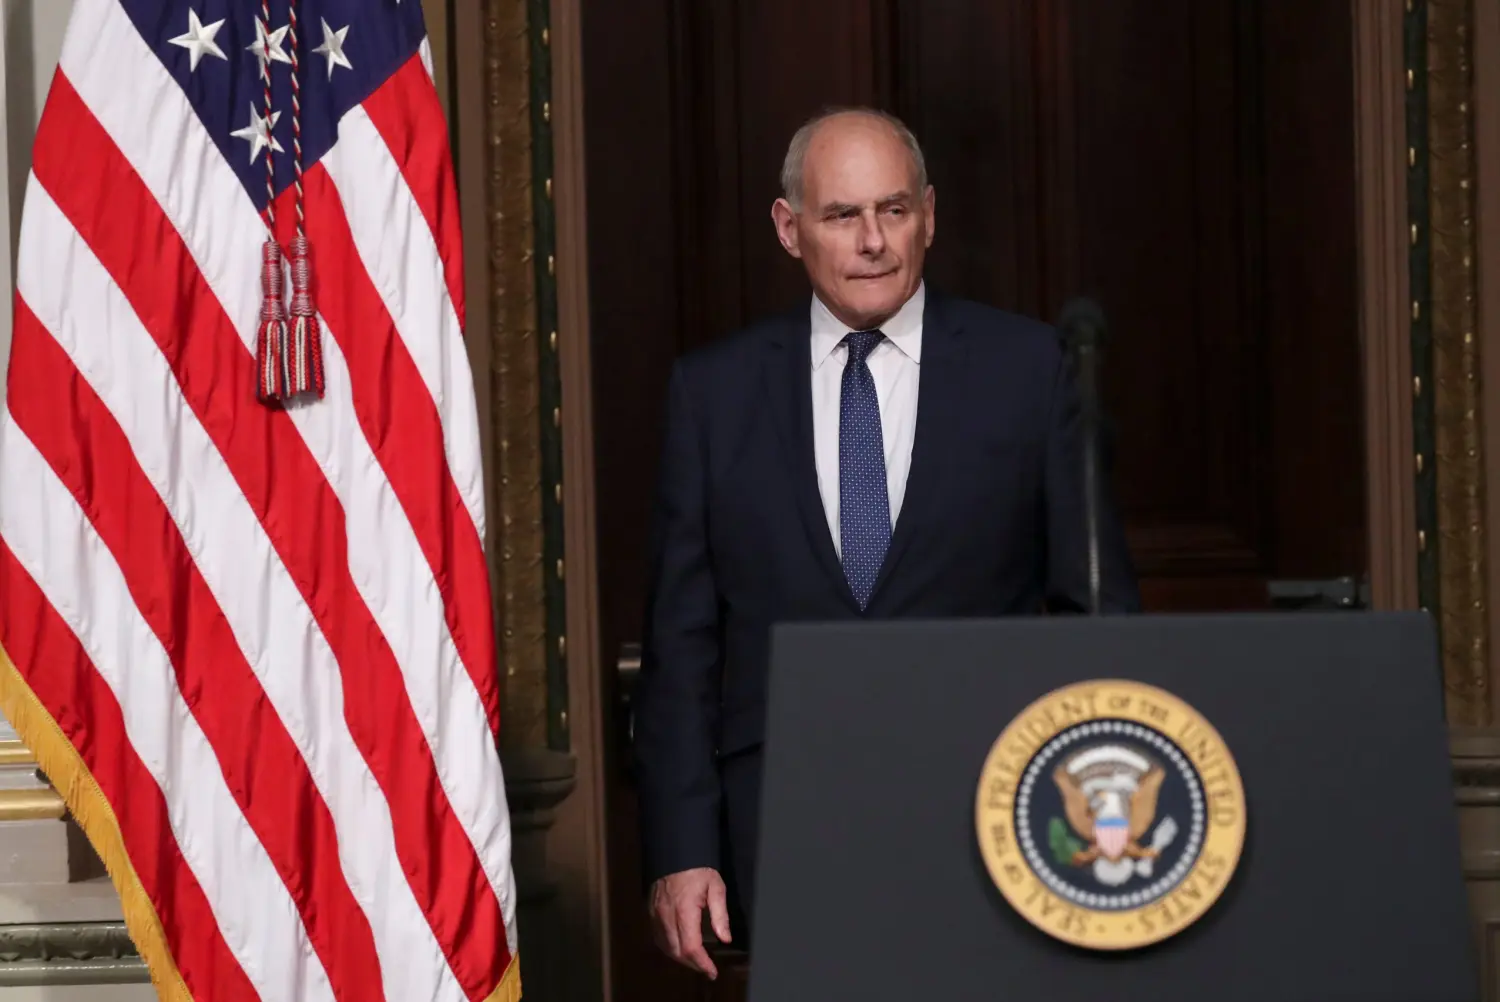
243	596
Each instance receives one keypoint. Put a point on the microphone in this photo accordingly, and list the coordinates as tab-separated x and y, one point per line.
1082	329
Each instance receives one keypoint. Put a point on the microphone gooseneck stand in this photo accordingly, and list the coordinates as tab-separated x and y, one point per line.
1081	325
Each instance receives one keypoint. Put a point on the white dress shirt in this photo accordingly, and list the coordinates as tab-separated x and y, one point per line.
895	366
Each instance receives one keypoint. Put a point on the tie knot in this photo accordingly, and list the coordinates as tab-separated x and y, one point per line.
861	343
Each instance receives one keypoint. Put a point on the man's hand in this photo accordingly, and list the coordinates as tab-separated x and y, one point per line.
677	903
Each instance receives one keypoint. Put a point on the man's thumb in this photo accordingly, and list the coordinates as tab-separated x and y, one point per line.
718	910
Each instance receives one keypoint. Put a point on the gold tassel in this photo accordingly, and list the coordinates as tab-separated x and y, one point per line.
64	767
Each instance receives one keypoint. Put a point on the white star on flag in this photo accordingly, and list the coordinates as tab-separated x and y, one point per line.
267	48
200	39
333	48
259	134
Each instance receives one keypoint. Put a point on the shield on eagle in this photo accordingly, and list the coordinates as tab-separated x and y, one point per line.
1112	836
1109	794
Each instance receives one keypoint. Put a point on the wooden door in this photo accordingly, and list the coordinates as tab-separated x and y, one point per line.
1188	163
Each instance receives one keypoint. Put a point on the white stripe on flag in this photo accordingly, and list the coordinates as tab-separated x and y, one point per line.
77	301
426	51
398	251
136	101
154	127
400	255
55	543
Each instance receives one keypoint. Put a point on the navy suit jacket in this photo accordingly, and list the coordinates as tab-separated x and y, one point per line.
992	525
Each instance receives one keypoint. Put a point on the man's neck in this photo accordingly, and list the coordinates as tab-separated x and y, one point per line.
868	323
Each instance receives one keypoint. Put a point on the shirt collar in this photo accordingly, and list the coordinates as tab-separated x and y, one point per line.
904	330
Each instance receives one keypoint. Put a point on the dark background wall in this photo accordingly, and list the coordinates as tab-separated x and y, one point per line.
1188	163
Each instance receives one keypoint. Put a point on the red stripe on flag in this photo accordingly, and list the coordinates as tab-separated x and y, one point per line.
56	668
407	113
116	213
262	766
401	422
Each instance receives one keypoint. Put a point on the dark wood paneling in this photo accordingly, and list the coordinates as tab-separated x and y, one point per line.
967	86
1312	289
745	82
638	190
1166	240
1189	163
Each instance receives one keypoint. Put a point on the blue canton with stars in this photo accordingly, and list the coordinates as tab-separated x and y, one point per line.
346	50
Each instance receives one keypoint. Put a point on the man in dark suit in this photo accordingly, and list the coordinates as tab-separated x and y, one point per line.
885	452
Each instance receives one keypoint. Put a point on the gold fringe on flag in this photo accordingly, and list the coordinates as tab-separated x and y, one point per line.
71	778
509	989
86	803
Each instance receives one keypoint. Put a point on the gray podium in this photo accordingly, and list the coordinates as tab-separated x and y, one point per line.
872	885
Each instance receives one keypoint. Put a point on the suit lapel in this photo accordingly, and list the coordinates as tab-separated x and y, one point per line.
788	378
939	426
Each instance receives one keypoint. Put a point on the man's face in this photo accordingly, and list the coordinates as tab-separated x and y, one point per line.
864	228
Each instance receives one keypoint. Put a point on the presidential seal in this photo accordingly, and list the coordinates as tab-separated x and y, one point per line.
1110	814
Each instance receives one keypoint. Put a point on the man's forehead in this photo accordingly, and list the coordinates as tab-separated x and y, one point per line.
890	198
856	135
859	168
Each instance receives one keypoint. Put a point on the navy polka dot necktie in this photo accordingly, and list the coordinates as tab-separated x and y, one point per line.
864	504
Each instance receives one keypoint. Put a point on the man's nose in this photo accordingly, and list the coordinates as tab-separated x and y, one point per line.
872	237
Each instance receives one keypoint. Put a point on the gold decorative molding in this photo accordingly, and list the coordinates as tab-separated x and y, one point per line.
1484	54
1458	400
515	477
502	50
13	752
40	804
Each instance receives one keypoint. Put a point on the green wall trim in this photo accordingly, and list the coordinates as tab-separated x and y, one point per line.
1424	439
549	385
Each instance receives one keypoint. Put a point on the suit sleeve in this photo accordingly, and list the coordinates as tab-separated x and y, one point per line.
677	695
1067	533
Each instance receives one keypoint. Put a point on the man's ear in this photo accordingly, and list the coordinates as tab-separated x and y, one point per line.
929	204
785	218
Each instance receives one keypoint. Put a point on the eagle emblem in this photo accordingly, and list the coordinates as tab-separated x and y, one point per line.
1109	795
1088	810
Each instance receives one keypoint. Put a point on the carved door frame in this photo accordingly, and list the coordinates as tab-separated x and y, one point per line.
512	78
1428	130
